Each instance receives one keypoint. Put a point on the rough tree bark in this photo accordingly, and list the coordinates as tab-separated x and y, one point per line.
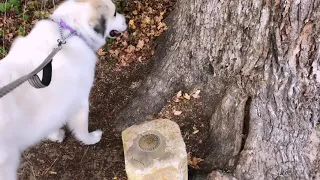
258	64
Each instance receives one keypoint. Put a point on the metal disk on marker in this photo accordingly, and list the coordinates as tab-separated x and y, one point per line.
147	146
149	142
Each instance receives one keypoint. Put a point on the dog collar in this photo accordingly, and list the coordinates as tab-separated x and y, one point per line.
63	25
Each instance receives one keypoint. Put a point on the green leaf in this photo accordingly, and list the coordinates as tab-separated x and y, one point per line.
3	51
21	31
16	9
25	17
4	7
110	41
15	2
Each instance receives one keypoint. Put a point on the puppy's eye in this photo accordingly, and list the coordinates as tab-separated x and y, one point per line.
115	14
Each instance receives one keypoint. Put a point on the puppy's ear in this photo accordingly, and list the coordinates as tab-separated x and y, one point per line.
100	26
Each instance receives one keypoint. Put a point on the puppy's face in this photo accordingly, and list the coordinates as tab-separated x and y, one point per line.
104	19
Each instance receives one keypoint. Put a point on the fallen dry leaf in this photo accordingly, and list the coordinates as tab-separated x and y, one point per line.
194	161
177	113
196	94
195	132
140	44
147	20
186	96
130	49
162	13
114	52
179	94
131	24
101	52
139	5
135	12
176	99
161	25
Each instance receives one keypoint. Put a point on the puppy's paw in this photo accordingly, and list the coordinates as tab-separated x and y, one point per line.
90	138
57	136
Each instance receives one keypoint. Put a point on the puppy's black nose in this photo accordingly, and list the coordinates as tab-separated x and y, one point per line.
127	20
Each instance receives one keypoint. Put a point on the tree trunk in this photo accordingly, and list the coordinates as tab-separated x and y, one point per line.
257	63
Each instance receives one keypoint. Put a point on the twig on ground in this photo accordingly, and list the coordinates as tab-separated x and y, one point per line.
50	166
85	152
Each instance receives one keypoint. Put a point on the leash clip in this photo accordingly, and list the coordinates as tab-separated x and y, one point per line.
60	42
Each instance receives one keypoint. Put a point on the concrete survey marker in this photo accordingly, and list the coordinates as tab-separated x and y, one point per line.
149	142
155	150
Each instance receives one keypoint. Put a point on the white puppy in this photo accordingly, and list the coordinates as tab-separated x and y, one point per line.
29	115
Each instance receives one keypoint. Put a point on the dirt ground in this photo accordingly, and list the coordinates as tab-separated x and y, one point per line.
122	67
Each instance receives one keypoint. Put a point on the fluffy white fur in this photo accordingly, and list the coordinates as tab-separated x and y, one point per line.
29	115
